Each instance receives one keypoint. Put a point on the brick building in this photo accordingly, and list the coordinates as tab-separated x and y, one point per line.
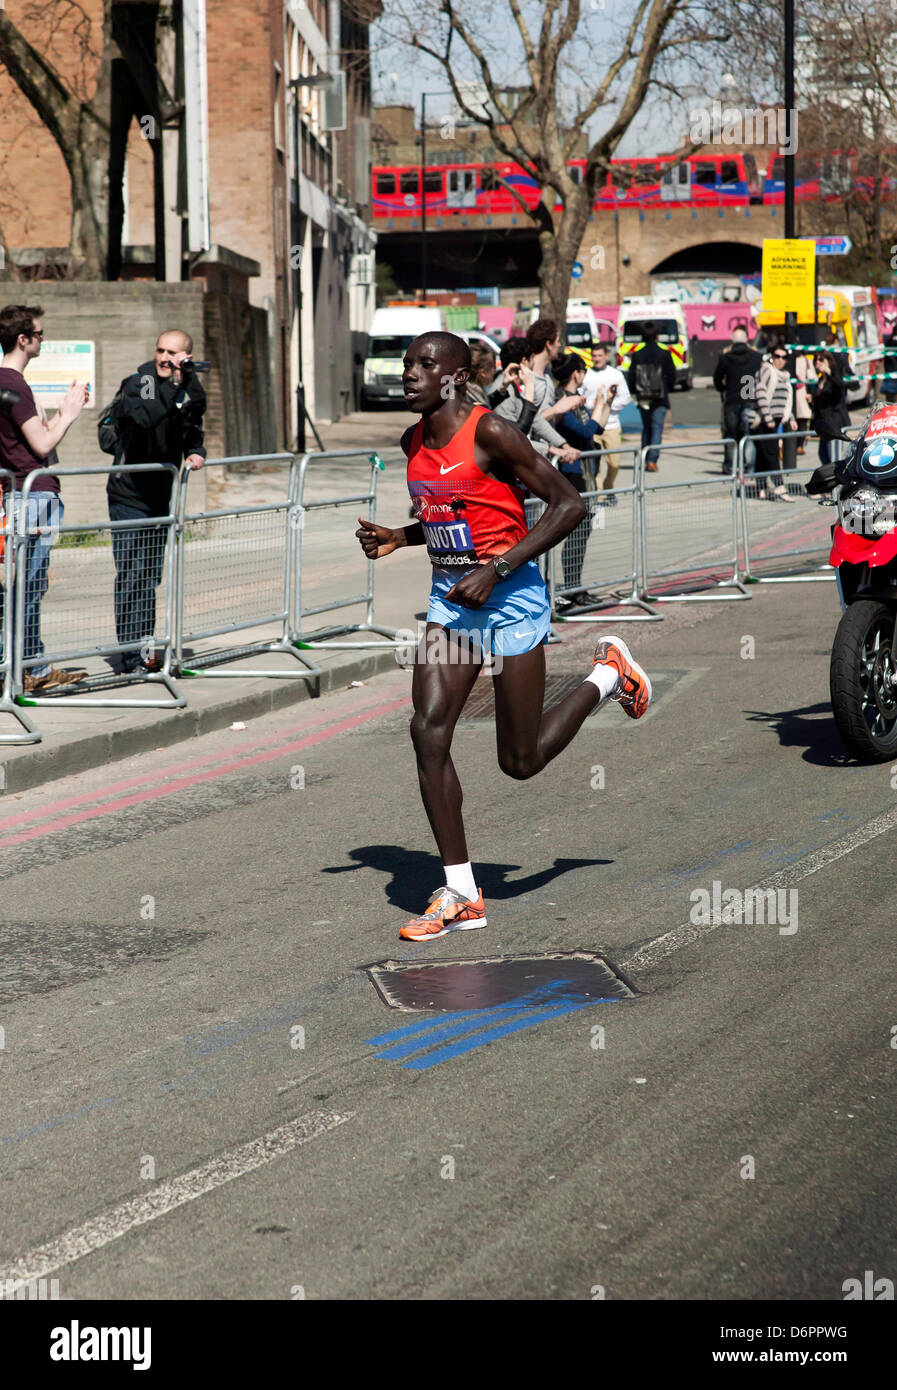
241	147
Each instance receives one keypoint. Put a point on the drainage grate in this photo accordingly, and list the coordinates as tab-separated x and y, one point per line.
498	981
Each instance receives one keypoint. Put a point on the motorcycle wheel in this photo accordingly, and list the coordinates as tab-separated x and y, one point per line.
864	682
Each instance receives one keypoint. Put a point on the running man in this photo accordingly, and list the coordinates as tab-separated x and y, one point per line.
488	598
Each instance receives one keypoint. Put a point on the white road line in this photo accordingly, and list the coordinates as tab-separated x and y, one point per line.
689	932
112	1225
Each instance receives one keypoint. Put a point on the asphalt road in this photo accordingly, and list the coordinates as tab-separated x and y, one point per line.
192	1104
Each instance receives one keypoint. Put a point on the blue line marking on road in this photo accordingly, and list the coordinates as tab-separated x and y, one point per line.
428	1026
683	870
59	1120
432	1059
448	1028
536	999
540	1005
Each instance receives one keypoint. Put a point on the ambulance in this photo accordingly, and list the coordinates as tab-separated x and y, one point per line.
582	331
668	317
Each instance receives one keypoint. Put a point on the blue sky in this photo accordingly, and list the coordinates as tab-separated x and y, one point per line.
400	75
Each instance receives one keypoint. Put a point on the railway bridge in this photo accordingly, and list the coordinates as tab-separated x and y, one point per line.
619	254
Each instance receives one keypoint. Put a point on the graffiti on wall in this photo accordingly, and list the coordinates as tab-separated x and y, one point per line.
705	289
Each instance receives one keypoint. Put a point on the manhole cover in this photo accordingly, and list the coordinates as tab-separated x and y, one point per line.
481	702
521	981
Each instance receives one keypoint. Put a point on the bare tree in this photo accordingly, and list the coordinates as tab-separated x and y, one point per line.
852	122
540	132
846	118
75	111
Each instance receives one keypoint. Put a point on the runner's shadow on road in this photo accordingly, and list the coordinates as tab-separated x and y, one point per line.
811	728
416	871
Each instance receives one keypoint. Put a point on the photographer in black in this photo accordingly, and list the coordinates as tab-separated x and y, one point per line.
156	417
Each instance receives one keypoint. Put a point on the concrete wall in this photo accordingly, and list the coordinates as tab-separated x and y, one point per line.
124	321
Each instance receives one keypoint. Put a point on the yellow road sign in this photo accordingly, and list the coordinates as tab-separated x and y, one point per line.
789	273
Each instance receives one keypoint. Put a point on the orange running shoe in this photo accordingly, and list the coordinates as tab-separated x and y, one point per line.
634	692
449	910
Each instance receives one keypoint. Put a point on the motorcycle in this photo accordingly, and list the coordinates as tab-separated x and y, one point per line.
863	673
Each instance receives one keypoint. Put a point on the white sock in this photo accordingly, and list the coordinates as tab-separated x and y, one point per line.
606	679
460	877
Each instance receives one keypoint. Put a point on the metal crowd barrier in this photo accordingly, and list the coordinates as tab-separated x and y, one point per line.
689	534
8	705
77	618
336	555
777	536
602	554
235	569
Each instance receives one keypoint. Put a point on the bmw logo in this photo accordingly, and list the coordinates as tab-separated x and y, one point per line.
880	456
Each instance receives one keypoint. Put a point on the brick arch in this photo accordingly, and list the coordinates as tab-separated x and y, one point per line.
651	237
722	255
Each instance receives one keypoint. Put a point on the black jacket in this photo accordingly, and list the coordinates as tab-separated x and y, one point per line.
158	423
827	404
739	363
653	352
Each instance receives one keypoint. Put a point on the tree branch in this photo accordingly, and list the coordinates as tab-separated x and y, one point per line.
528	50
615	68
36	78
661	16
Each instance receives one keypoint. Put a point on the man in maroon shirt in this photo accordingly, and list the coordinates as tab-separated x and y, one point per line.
28	442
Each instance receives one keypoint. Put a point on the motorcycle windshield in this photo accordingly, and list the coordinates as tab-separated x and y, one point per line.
873	456
877	460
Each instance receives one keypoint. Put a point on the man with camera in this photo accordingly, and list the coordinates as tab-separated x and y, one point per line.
157	416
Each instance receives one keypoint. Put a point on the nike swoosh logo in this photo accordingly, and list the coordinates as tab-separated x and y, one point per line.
527	633
443	469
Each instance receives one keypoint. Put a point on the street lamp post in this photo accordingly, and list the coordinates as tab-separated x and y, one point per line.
423	194
790	318
423	197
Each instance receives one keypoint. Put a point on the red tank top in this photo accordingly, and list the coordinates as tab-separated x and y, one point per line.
467	517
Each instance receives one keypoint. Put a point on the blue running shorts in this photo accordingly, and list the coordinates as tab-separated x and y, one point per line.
515	619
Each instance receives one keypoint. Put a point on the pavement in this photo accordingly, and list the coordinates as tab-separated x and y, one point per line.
205	1097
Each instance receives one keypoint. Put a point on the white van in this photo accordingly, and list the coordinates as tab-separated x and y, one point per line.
391	334
672	334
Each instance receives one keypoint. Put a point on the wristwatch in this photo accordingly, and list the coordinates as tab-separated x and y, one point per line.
502	568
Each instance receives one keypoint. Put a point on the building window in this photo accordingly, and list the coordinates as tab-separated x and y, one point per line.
278	108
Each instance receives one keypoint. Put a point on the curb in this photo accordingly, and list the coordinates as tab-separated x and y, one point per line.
33	765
